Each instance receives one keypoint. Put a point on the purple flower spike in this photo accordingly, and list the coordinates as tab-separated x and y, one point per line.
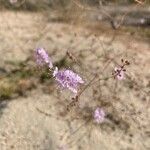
119	73
68	79
99	115
43	58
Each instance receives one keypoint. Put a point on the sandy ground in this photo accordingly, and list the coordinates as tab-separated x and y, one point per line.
33	123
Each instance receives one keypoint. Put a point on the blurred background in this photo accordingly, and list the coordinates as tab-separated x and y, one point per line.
98	34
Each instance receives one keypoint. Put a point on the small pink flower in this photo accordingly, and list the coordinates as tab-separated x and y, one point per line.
99	115
119	73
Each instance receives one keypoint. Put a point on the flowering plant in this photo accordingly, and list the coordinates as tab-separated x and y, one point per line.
68	79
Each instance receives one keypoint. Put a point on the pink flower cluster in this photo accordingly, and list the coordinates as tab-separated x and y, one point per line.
68	79
119	73
99	115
